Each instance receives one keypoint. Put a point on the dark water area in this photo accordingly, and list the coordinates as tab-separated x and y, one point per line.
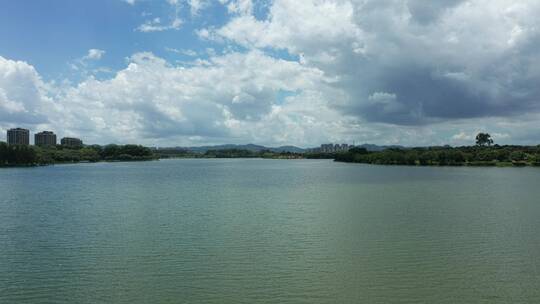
268	231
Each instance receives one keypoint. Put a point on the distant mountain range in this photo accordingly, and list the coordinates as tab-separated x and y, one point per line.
257	148
249	147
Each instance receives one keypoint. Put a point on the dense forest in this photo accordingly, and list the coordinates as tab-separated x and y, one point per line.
21	155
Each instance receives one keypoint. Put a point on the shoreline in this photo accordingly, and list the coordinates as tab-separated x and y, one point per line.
470	165
74	163
455	165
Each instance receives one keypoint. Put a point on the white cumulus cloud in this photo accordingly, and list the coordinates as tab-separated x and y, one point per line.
155	25
407	72
22	94
94	54
443	60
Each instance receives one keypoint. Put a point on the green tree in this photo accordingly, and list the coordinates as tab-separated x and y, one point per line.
518	156
536	159
358	150
484	139
89	154
4	151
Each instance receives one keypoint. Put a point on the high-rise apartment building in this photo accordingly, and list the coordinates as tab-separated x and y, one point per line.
18	136
45	138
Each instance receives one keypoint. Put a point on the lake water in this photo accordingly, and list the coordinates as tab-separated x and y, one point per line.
268	231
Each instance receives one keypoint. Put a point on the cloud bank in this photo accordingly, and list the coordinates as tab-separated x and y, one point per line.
439	61
389	72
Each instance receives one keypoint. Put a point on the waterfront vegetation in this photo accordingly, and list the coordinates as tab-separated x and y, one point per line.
22	155
484	153
448	156
225	153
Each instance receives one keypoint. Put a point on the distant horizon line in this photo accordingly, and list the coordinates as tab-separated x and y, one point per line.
288	145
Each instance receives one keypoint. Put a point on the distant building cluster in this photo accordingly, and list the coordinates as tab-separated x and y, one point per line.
19	136
333	148
71	142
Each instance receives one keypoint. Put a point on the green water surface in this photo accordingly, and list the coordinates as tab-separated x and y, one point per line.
268	231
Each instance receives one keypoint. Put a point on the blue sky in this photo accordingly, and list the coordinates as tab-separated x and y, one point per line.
50	34
275	72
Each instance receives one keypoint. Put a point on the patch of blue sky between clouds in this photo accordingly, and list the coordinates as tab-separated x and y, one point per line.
283	95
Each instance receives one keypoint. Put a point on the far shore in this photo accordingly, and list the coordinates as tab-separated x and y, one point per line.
470	156
470	165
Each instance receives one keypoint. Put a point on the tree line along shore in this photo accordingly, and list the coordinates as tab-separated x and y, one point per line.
24	155
500	156
484	153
